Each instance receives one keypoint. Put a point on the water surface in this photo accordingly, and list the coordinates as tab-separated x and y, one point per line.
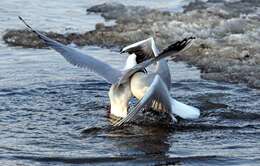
45	104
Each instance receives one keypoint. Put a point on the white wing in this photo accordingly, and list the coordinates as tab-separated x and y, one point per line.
146	49
171	50
143	50
157	97
79	59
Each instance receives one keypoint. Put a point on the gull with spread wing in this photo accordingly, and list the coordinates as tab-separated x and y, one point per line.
152	89
120	91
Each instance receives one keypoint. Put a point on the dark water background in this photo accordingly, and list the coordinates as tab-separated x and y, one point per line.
45	104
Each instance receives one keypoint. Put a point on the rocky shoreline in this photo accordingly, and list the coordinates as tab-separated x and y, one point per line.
227	47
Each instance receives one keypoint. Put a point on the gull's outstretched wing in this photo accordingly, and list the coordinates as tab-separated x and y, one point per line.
171	50
79	59
143	50
157	97
146	49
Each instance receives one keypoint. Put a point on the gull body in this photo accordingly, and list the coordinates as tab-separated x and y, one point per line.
140	83
119	98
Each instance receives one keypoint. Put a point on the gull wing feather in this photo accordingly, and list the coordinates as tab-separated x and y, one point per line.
79	59
171	50
157	97
143	50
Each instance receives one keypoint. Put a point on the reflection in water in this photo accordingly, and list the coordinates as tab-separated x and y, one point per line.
144	140
143	143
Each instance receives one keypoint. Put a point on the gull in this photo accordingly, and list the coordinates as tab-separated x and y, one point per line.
120	91
152	89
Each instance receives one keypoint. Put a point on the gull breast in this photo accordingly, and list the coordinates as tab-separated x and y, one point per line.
139	84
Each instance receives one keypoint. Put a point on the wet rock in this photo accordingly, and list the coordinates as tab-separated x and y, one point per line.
227	47
100	26
255	83
196	5
106	7
104	38
126	14
28	39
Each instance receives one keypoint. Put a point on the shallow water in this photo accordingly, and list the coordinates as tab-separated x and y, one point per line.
45	104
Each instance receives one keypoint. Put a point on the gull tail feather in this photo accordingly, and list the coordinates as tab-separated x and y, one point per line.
184	111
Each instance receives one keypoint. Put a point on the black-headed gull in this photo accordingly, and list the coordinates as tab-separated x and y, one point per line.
120	91
152	89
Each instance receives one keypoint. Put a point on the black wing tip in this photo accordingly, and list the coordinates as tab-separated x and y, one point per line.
192	37
25	23
121	51
30	28
179	45
20	18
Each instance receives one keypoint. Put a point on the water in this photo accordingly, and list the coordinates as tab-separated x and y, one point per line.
45	104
